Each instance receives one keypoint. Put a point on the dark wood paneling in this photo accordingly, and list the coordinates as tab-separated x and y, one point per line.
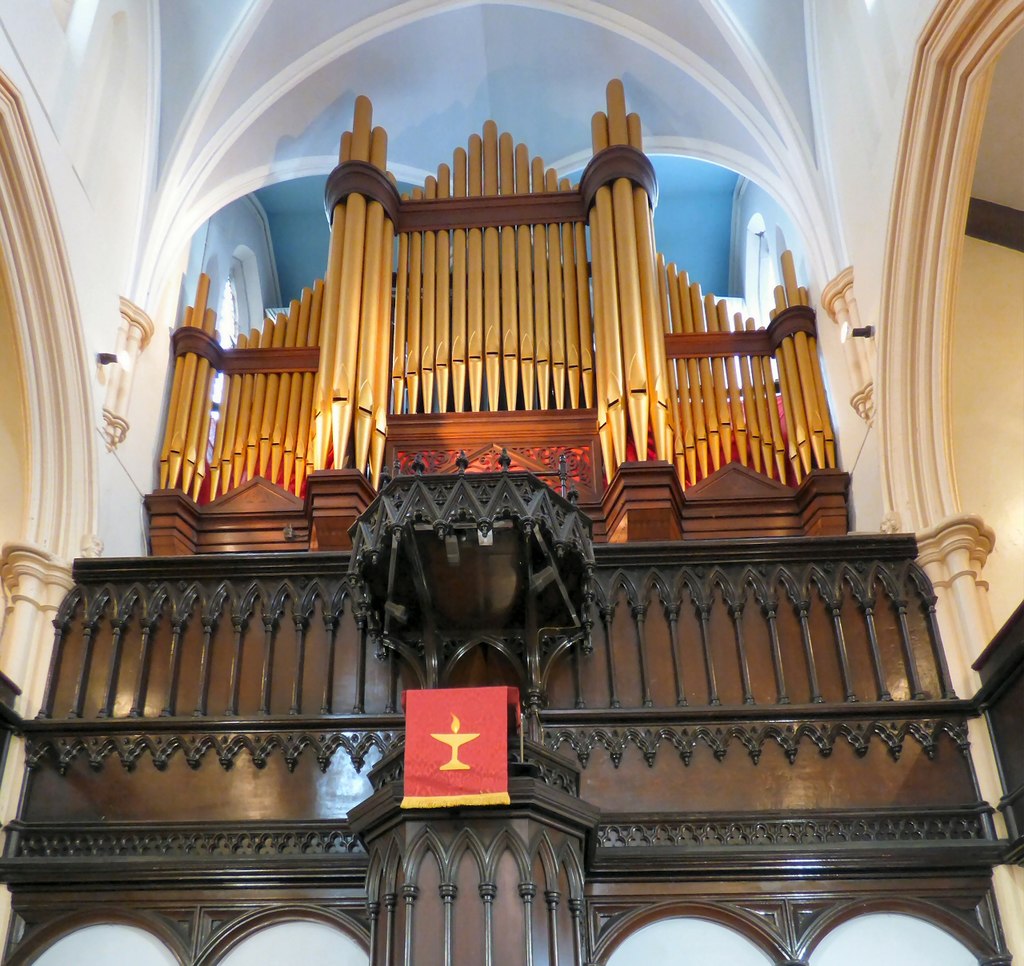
713	725
1001	697
996	223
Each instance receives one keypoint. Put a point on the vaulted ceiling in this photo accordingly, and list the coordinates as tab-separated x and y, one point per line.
258	91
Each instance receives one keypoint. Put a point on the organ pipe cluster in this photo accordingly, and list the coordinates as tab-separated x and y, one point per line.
497	286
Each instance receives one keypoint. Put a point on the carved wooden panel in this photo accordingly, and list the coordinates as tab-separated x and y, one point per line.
1002	698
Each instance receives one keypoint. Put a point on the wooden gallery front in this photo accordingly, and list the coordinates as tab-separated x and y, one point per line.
503	443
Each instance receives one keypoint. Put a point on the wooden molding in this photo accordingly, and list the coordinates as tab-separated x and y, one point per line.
240	361
997	224
736	501
643	502
762	342
257	516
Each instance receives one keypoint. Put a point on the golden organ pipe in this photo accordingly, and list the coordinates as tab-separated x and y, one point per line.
442	299
427	317
604	430
373	335
634	364
303	453
270	400
826	416
474	285
259	395
172	412
789	379
413	333
284	394
350	291
195	448
584	312
239	451
350	294
659	389
541	316
805	365
509	183
527	371
749	404
678	453
737	418
179	433
492	299
705	381
380	420
654	328
294	395
788	402
721	395
571	310
203	442
369	334
686	380
229	424
779	445
459	290
602	235
763	398
332	278
556	303
401	310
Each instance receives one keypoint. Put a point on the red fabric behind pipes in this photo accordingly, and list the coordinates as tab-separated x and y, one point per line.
455	714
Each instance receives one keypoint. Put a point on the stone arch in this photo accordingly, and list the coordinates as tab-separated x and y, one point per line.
52	350
60	506
942	130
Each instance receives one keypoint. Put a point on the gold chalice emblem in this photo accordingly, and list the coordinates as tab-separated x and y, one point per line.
455	741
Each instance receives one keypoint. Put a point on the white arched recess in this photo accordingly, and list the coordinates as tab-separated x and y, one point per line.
60	509
888	938
686	941
103	944
296	944
941	133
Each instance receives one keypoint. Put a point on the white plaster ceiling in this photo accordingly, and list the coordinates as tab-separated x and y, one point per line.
258	91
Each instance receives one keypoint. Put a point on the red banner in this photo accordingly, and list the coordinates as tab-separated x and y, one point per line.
456	746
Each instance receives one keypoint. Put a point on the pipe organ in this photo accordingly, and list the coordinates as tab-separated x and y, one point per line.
523	444
496	286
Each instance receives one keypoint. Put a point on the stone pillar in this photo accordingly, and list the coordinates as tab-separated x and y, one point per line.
35	582
953	553
494	885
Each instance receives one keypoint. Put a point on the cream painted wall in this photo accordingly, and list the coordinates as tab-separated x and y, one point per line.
987	385
13	441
